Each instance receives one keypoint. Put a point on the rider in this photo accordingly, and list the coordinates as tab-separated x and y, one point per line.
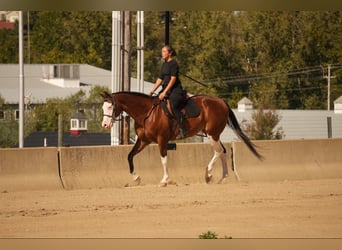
171	86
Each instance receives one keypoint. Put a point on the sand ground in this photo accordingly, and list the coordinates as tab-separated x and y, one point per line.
290	209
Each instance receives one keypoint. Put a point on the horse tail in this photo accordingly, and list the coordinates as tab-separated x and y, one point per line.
234	125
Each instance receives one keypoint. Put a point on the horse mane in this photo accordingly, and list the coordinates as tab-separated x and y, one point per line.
139	94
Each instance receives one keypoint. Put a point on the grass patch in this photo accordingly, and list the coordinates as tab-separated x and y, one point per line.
212	235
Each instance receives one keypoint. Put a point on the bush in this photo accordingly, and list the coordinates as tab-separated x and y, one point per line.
262	125
208	235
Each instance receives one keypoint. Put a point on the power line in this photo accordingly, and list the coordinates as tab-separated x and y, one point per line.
261	76
275	91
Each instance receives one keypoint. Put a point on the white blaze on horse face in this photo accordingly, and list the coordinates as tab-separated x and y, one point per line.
107	115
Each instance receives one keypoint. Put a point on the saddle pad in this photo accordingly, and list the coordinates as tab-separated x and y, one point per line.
190	109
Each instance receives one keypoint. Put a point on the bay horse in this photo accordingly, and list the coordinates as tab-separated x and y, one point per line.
153	125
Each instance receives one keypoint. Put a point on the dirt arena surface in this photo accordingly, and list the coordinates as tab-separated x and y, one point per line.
289	209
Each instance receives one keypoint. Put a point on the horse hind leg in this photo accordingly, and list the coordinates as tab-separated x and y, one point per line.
223	158
219	152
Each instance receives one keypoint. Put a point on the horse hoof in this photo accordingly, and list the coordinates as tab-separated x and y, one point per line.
163	184
222	181
208	178
137	181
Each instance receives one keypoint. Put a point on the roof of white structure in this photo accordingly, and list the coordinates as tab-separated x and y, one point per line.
338	100
39	91
245	100
297	124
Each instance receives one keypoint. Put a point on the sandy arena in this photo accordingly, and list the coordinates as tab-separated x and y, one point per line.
288	209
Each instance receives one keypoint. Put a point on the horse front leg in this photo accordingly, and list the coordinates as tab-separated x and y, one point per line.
163	157
138	146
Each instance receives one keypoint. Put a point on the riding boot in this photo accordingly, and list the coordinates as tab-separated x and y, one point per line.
182	128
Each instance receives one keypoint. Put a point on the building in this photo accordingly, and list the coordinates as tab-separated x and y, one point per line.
338	105
44	81
9	16
245	104
296	124
78	123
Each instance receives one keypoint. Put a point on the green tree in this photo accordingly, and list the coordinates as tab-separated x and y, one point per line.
93	109
8	128
263	124
9	45
72	37
46	115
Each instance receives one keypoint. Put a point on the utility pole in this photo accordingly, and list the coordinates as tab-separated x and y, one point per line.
167	27
21	82
140	51
116	68
126	69
328	77
28	38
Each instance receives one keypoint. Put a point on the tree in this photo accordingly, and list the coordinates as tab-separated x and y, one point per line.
273	54
72	37
45	117
262	126
9	49
8	129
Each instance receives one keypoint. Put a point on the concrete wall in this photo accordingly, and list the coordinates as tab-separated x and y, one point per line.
290	160
87	167
106	166
29	169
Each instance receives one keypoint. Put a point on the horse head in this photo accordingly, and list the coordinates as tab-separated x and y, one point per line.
109	110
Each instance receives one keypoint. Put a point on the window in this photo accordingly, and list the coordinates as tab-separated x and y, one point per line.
2	115
82	123
17	114
61	71
55	71
74	123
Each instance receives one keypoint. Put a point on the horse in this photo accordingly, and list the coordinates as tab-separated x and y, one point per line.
153	124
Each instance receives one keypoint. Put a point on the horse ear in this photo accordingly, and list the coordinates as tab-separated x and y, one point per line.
106	96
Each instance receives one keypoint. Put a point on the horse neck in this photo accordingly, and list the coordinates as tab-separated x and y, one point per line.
134	105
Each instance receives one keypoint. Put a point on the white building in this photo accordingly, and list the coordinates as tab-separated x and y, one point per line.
9	16
245	104
338	105
43	81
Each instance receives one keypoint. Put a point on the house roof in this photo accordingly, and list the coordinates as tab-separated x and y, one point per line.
245	100
79	116
338	100
38	91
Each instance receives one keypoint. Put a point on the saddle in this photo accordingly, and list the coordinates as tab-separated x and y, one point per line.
190	108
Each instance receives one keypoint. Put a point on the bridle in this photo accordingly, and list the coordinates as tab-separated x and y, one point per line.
114	119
